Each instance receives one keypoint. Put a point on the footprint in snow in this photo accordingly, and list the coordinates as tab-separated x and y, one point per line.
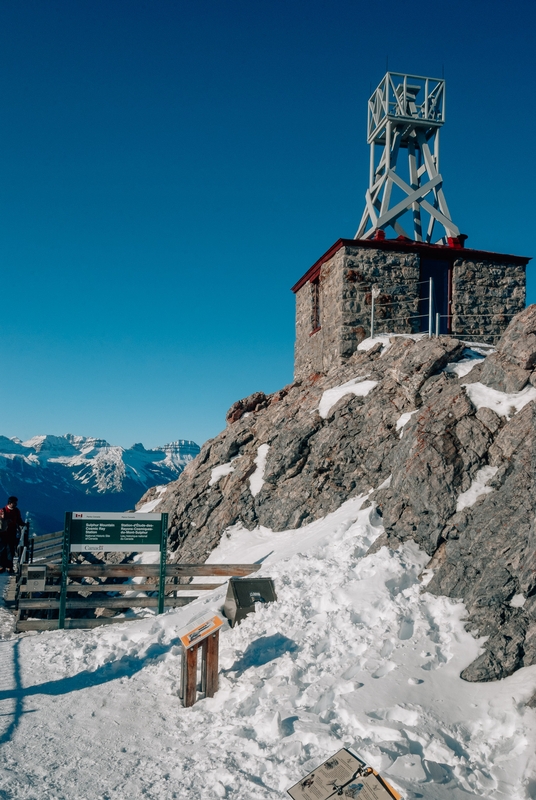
387	648
384	670
406	628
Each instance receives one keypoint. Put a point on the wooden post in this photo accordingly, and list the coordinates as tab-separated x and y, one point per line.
203	684
183	674
163	559
211	648
209	670
66	551
190	676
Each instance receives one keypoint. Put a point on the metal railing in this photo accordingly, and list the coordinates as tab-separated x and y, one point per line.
410	316
434	317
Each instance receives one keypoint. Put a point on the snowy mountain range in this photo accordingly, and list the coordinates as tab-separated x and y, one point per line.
54	474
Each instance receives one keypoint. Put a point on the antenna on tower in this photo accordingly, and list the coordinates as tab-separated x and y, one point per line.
405	113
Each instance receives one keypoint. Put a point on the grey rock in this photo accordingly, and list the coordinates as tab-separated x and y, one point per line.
500	373
483	554
518	343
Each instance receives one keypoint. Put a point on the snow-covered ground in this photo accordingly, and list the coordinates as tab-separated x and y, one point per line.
354	653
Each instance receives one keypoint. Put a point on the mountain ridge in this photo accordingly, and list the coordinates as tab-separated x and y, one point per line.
52	474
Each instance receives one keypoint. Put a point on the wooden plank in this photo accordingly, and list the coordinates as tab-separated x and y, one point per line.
182	681
46	537
211	648
36	625
190	683
48	560
45	552
55	545
52	624
121	588
46	541
153	570
96	623
106	602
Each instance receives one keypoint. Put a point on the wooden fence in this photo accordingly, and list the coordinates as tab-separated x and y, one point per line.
44	548
86	581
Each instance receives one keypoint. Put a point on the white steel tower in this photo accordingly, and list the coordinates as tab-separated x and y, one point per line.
405	113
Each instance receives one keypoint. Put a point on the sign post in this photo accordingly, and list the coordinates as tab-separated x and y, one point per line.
163	556
117	532
128	532
204	635
64	566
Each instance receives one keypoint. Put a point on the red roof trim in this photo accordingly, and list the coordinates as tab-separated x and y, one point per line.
400	245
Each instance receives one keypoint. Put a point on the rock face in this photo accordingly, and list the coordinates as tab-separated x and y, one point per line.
445	439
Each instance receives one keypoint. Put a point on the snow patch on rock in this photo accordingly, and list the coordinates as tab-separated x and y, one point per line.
403	420
464	366
221	471
504	404
256	481
146	508
518	601
357	386
477	489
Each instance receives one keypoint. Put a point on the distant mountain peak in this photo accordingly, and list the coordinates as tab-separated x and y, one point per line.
53	474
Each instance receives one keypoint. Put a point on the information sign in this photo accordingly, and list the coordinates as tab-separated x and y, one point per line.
201	631
343	775
115	532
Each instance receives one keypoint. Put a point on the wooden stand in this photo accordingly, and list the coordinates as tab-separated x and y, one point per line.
209	669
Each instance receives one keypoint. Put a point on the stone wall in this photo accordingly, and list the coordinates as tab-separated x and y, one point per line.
318	351
486	294
487	288
396	275
346	282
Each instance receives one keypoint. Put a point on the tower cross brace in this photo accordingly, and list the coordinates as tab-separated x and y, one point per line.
405	113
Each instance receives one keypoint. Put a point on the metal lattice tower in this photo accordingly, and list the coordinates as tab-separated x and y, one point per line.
405	113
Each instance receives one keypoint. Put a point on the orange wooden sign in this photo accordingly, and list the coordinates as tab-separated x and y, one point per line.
201	631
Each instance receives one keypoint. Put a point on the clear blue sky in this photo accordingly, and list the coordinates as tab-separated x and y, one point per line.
168	169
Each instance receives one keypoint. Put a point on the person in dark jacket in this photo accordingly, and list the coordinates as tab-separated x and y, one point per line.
11	519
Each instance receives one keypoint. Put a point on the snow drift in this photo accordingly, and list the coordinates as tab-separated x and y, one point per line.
355	653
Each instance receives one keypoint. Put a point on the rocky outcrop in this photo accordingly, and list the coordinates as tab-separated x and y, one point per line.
450	461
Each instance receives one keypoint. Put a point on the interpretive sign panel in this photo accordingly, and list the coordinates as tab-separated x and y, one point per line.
342	775
201	631
115	532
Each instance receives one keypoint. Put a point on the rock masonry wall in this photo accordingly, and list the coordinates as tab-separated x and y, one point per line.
485	297
318	351
483	554
346	282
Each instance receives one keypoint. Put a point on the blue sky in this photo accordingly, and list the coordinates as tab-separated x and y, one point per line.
169	169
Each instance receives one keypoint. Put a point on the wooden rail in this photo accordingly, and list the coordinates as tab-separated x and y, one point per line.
134	595
48	547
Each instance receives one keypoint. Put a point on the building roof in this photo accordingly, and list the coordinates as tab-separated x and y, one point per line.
435	251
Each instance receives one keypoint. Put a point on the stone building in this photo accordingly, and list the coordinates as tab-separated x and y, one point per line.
475	293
